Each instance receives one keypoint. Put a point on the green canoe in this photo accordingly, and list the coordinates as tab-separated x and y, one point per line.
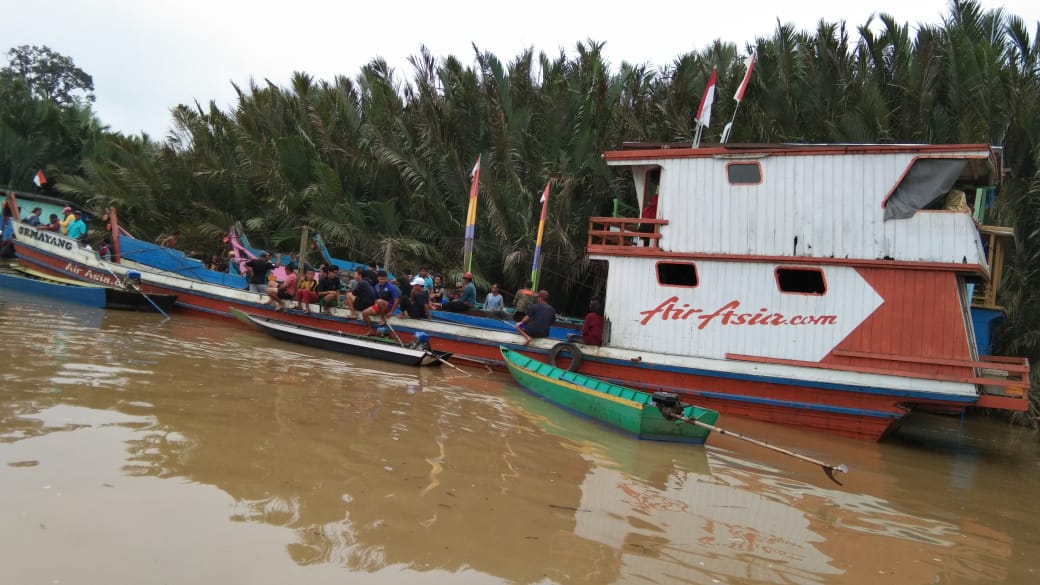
624	408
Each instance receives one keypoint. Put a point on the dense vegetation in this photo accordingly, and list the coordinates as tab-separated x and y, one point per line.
377	163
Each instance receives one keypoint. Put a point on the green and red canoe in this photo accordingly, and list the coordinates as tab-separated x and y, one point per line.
629	410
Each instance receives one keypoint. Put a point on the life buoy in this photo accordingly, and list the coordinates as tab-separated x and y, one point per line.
572	349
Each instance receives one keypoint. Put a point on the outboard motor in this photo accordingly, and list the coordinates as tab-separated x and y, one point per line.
669	404
133	280
421	340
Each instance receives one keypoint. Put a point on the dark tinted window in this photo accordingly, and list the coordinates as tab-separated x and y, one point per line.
808	281
744	173
675	274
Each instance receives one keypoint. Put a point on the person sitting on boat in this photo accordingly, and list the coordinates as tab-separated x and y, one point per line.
418	305
424	273
305	294
77	229
524	298
387	291
371	274
69	218
404	281
53	224
363	295
105	251
437	293
170	241
286	290
328	287
592	327
539	318
34	218
494	304
257	270
467	298
387	299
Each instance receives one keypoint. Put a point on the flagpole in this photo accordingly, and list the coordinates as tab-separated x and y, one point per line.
471	218
704	110
749	65
536	266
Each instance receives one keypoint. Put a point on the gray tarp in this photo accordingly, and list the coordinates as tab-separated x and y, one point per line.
928	180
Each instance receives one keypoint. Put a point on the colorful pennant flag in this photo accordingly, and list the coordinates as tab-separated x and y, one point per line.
537	266
471	217
39	180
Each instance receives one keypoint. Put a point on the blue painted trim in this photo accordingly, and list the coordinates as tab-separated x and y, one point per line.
967	400
798	405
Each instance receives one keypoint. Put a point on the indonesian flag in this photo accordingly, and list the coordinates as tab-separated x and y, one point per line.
39	180
704	111
749	62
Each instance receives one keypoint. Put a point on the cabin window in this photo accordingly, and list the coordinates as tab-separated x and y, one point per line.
676	274
803	281
744	173
924	186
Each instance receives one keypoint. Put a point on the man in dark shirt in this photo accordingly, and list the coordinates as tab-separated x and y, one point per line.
371	275
418	306
257	269
328	287
539	318
362	297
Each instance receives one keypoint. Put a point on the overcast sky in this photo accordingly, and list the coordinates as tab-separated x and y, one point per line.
147	56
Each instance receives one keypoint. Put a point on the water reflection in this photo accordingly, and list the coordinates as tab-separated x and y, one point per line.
366	468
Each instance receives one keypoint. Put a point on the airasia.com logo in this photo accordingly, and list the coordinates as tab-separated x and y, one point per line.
728	315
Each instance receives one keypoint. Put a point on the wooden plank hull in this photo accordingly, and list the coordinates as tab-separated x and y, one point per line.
374	347
626	409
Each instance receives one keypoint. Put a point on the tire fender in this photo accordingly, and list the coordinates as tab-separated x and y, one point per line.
569	348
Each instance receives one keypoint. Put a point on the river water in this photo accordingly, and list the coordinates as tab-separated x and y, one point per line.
193	451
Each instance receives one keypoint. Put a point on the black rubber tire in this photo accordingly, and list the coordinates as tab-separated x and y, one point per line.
572	349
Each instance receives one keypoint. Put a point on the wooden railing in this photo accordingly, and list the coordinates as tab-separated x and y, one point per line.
622	232
995	240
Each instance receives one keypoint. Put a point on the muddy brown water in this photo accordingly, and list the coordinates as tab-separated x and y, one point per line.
193	451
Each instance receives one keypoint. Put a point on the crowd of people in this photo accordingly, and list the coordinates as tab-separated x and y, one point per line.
369	294
73	225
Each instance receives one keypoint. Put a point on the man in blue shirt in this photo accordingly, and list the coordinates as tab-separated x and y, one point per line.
78	228
387	298
467	298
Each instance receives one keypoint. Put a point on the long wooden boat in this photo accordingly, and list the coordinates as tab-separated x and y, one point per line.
624	408
769	285
414	354
36	283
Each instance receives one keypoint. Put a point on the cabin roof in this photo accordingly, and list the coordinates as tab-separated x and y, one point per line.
666	150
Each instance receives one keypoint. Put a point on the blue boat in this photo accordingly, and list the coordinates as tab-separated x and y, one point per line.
90	295
340	263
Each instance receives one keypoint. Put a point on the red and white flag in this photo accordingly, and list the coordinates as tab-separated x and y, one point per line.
750	64
39	180
704	111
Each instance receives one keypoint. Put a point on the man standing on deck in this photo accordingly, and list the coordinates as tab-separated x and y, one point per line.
77	229
257	270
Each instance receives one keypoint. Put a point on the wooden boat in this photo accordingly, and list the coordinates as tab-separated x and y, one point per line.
626	409
39	284
769	285
418	353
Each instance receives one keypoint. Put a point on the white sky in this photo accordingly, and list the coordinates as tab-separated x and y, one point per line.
147	56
